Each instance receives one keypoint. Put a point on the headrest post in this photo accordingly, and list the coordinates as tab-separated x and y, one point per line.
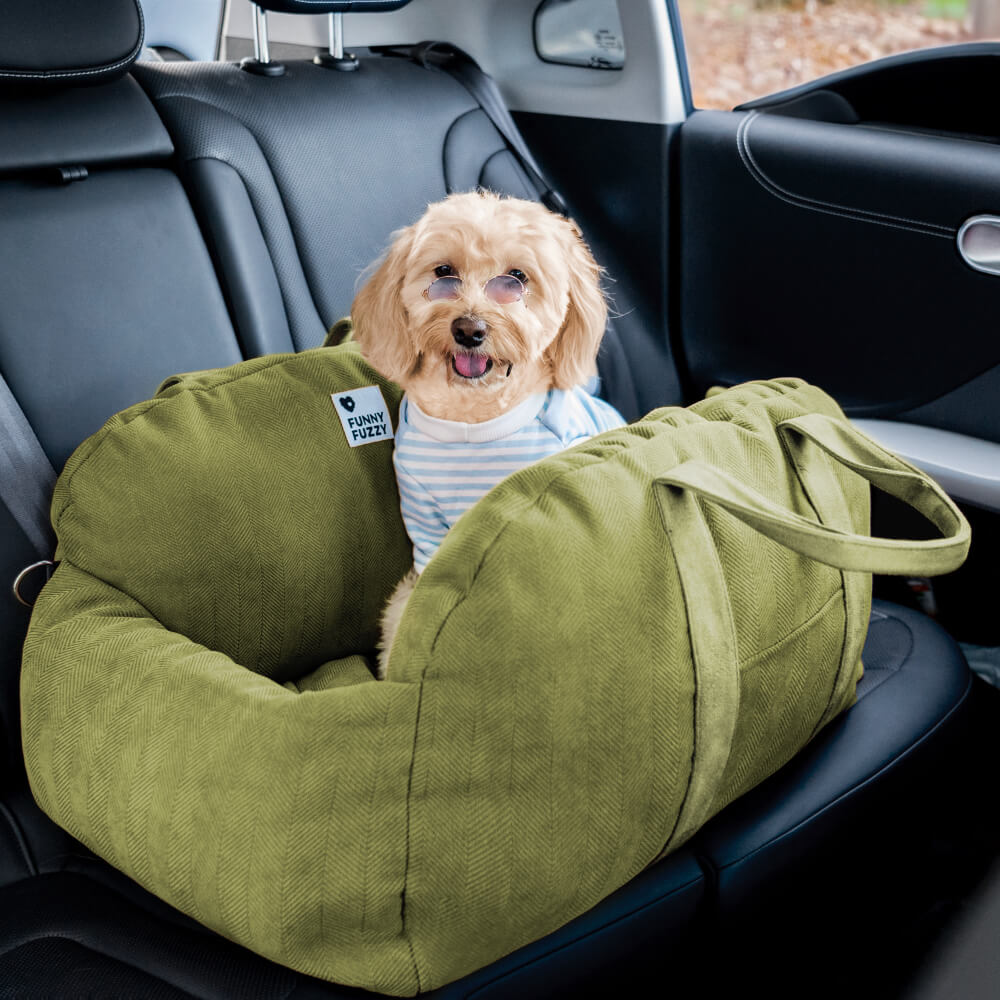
261	46
337	36
337	58
261	62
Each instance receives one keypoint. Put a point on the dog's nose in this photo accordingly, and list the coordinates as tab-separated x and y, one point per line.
469	331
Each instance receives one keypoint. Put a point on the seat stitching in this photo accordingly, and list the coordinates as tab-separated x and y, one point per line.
529	194
109	68
448	139
257	198
826	207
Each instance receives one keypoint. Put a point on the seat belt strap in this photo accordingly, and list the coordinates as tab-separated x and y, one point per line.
459	64
27	478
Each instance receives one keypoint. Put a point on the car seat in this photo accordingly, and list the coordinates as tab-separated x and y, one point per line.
212	214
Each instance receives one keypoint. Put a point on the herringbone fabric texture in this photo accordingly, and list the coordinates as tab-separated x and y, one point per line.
594	663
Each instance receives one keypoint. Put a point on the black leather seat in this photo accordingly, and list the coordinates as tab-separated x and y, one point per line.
296	180
111	282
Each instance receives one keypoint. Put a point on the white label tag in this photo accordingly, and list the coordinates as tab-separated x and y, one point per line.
363	415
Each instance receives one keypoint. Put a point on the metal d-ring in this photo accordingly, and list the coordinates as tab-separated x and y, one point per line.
23	575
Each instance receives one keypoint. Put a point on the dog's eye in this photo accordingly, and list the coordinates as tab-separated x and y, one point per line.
444	271
519	274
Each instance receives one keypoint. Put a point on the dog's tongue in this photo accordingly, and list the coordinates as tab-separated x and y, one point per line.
471	365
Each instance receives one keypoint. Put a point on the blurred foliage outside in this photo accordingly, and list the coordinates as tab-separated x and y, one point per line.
741	49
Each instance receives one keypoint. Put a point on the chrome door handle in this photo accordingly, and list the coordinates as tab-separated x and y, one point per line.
979	243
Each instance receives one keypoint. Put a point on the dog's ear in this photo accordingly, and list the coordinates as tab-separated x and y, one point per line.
573	354
381	323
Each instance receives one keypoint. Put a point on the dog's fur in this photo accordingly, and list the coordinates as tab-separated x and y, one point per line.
547	340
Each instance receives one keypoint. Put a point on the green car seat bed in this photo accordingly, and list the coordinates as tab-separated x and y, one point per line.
609	648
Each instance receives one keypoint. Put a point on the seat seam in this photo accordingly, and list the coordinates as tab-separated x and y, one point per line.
256	201
222	277
447	141
106	68
849	212
528	193
19	838
893	668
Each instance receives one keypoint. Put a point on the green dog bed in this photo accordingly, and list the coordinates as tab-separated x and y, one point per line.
589	668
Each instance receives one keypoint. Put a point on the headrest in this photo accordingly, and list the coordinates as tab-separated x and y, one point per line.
68	42
330	6
45	129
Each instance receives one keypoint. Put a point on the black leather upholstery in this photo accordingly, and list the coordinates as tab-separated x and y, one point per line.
915	685
234	233
64	935
324	210
652	919
327	202
108	285
113	287
54	42
113	123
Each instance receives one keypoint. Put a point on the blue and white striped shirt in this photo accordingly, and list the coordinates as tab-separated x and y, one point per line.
443	466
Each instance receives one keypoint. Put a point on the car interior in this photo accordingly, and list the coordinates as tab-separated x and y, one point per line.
175	212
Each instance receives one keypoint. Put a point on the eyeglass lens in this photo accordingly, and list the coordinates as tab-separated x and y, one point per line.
503	289
449	287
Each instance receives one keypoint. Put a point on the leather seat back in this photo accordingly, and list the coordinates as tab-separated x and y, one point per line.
314	169
106	283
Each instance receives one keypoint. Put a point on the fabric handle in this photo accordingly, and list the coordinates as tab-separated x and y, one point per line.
841	549
714	643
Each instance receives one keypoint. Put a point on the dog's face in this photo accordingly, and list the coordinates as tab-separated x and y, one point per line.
444	317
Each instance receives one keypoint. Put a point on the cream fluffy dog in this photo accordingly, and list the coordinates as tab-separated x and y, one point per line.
488	312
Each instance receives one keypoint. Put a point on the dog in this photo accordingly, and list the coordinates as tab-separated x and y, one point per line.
489	313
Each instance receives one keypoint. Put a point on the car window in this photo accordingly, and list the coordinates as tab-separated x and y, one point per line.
741	49
183	29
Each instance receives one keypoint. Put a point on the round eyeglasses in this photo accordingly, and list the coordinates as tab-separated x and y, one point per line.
504	289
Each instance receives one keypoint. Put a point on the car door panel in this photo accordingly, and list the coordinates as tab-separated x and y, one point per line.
967	467
818	240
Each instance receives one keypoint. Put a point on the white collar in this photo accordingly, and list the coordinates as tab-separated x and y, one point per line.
489	430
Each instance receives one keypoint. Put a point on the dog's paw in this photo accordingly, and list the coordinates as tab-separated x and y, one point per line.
391	616
382	664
